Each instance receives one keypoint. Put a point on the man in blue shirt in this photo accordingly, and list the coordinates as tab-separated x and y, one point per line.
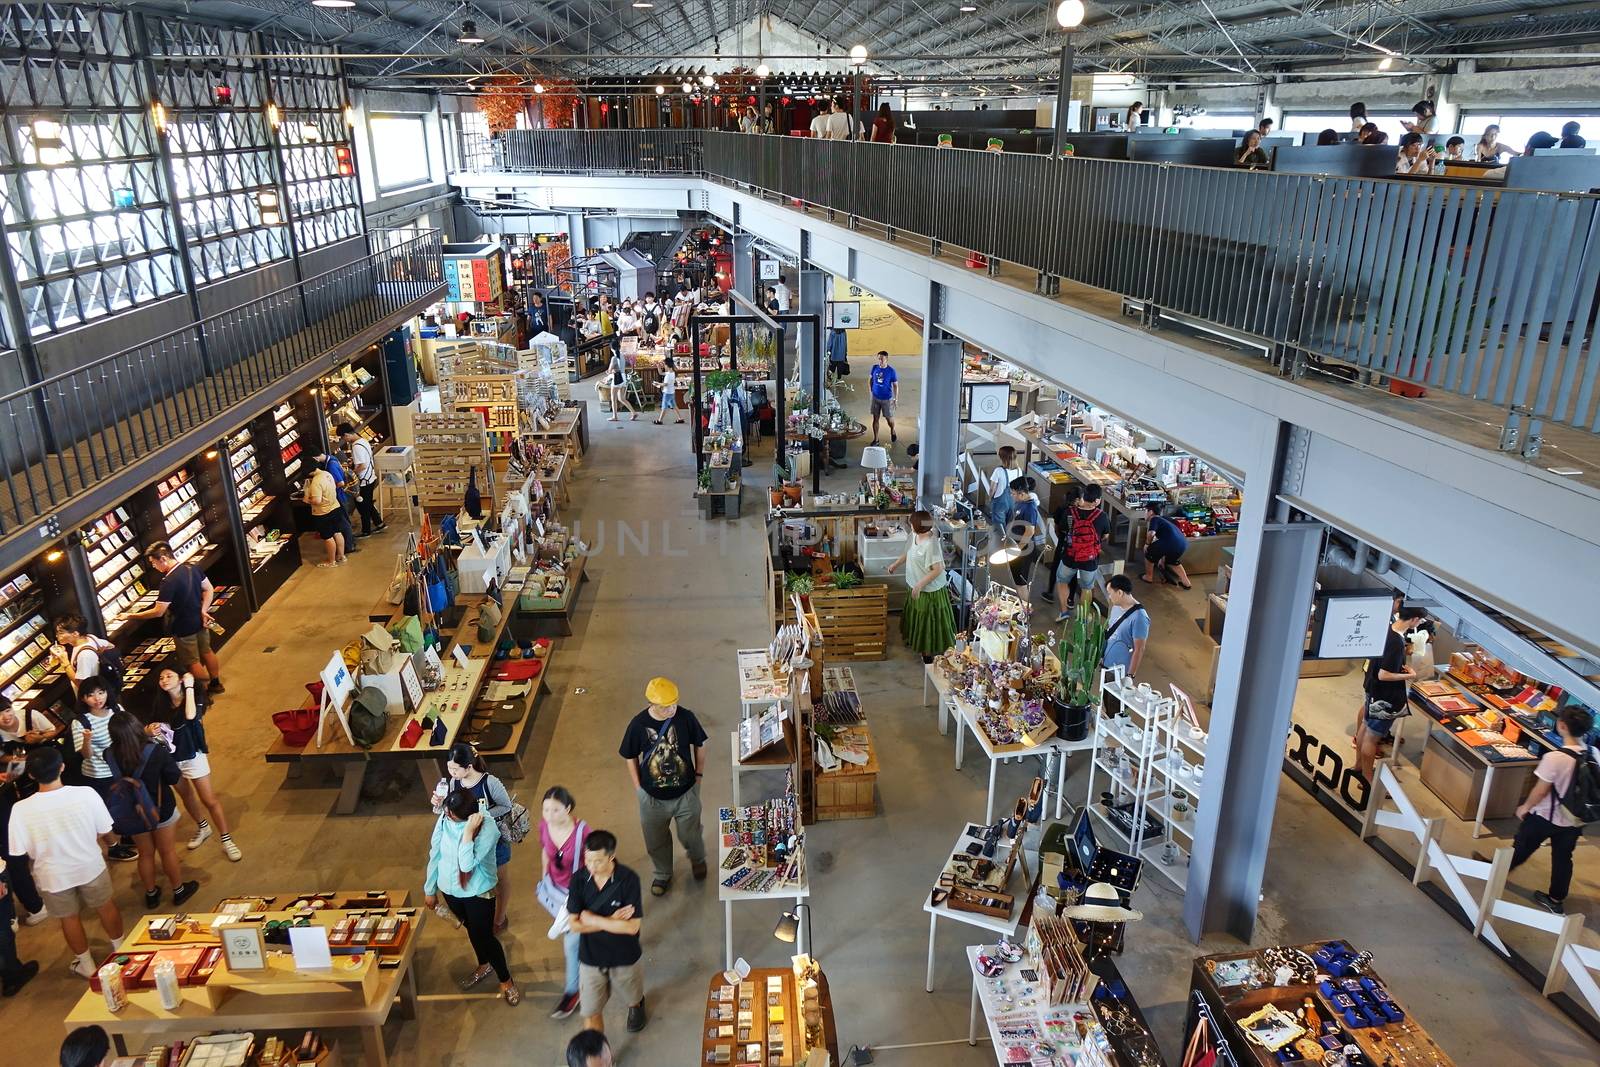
336	471
1128	627
1163	547
885	391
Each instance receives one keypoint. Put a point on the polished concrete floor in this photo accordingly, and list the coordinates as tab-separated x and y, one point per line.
672	594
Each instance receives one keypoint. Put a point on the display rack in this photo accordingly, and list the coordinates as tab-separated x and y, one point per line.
116	561
494	398
27	668
291	450
265	514
182	518
1153	764
353	393
450	445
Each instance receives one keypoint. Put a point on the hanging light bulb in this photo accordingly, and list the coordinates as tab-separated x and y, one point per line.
660	89
763	71
858	55
1069	14
158	115
538	87
469	33
707	80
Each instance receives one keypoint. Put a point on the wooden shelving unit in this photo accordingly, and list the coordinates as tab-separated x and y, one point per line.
449	447
494	398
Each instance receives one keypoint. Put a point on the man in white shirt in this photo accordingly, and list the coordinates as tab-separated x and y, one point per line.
61	828
842	126
780	293
366	476
819	121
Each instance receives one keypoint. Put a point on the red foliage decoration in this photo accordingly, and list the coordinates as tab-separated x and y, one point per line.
557	104
501	101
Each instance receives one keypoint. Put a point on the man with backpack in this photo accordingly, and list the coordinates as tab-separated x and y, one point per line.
1083	534
85	655
1565	796
60	828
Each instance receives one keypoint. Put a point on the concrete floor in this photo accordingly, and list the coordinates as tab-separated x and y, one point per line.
675	595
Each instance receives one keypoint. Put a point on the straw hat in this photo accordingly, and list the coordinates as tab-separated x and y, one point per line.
662	691
1102	904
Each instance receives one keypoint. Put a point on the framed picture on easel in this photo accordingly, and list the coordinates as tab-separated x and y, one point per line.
338	690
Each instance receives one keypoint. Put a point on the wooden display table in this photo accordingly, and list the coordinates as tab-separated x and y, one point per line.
352	761
550	615
786	1018
277	998
570	427
849	791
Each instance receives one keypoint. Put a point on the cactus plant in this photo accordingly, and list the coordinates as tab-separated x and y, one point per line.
1083	642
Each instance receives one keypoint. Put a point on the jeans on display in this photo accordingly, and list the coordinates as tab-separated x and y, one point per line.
369	512
477	915
554	900
1535	831
655	817
15	869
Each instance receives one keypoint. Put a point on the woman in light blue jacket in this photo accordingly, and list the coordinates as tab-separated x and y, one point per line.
461	870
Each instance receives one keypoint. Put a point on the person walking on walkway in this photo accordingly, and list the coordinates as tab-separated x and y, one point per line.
136	759
885	387
461	869
1545	815
1127	627
616	381
366	472
561	844
664	746
60	828
466	770
177	713
185	601
927	622
606	908
1086	529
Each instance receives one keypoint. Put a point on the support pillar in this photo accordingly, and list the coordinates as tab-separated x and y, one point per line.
577	235
938	421
812	299
744	266
1274	571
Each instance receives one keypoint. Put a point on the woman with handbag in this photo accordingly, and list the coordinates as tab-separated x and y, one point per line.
177	711
462	871
561	840
468	773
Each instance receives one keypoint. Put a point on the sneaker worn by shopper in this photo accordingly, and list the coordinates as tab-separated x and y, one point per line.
568	1005
37	917
699	871
184	892
11	984
201	836
214	687
636	1018
82	966
122	852
231	850
152	898
1549	903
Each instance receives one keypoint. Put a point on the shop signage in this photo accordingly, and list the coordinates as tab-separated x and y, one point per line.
1351	624
1325	766
770	270
844	314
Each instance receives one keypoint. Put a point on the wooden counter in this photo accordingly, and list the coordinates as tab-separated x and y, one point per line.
791	1026
547	615
850	791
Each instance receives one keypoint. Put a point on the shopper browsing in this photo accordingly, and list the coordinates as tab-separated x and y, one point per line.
366	472
1127	628
1566	787
1086	531
1386	679
780	289
1063	578
185	601
467	772
143	802
60	828
28	726
606	909
343	485
80	654
15	785
927	622
616	381
461	869
322	497
885	384
177	712
14	973
561	846
91	736
664	747
1164	546
998	487
1026	531
589	1048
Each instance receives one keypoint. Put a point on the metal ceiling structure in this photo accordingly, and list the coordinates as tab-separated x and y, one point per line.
414	43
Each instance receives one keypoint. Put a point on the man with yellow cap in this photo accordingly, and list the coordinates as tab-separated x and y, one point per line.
664	746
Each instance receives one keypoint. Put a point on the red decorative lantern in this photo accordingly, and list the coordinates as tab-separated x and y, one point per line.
786	101
749	99
717	99
604	107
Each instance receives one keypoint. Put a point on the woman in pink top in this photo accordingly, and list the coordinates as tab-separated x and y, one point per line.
561	843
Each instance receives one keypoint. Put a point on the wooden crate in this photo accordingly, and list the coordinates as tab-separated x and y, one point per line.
854	622
850	792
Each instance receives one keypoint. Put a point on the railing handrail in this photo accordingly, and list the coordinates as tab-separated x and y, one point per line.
200	323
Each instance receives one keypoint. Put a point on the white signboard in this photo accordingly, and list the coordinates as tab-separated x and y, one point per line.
844	314
1352	625
770	270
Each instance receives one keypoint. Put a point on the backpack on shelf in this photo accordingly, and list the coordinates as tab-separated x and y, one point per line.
1582	798
369	716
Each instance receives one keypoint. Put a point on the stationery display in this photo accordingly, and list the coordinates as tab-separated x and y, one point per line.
116	559
181	517
761	732
767	1017
291	452
1320	1003
761	677
769	840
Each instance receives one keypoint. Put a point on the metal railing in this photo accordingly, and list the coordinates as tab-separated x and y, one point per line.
76	429
1484	292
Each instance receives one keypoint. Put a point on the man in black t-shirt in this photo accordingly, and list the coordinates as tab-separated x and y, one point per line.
606	907
665	749
1385	686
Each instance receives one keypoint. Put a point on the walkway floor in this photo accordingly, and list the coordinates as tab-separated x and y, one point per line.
672	594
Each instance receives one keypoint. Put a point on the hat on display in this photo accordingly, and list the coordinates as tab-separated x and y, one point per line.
662	691
1102	903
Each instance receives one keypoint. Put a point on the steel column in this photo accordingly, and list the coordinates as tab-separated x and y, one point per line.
1063	94
939	425
1274	571
813	300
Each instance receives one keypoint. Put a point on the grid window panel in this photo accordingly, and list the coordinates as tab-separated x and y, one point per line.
309	92
220	144
80	188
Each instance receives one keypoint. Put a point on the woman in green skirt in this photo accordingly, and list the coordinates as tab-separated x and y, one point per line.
927	622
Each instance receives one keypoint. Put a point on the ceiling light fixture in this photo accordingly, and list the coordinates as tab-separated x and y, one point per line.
763	71
643	3
1069	14
1386	62
858	55
660	89
707	80
538	87
967	9
469	33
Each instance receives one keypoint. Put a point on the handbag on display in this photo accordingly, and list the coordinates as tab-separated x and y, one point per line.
489	618
472	503
408	631
438	593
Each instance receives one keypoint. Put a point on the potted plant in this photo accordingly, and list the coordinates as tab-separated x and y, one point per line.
1083	642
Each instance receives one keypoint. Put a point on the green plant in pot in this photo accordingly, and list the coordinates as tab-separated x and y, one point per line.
1083	643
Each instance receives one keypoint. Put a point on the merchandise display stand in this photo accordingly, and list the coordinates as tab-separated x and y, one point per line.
449	447
569	428
277	996
966	720
797	892
1018	886
848	791
769	1018
1476	758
